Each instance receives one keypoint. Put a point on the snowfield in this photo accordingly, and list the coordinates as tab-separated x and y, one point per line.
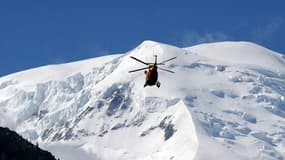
226	100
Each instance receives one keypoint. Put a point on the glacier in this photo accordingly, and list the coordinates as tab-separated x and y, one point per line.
225	100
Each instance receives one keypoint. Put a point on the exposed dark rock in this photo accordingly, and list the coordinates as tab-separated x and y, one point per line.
103	133
99	104
42	113
47	133
169	131
144	133
165	125
117	126
168	128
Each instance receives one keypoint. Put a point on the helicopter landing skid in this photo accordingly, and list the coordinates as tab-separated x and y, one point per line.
158	84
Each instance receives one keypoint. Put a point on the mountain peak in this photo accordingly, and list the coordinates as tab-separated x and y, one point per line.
149	42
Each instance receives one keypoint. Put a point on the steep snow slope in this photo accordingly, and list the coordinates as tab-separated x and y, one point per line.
225	100
243	53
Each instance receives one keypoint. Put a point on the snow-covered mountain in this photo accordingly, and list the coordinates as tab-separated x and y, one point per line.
225	100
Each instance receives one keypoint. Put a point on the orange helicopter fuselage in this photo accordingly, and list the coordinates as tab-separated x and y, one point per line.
151	75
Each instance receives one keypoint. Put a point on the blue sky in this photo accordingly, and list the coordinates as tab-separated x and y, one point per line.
36	33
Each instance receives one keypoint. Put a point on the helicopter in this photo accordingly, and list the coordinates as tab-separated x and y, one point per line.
151	72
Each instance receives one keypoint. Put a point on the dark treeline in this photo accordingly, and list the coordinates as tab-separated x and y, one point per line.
14	147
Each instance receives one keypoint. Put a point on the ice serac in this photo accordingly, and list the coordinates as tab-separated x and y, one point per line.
225	100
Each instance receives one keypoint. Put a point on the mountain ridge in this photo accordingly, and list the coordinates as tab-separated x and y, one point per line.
234	104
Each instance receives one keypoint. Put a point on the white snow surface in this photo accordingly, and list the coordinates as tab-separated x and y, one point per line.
225	100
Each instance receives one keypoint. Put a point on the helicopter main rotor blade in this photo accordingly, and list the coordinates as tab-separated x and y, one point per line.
165	70
140	61
138	69
163	62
